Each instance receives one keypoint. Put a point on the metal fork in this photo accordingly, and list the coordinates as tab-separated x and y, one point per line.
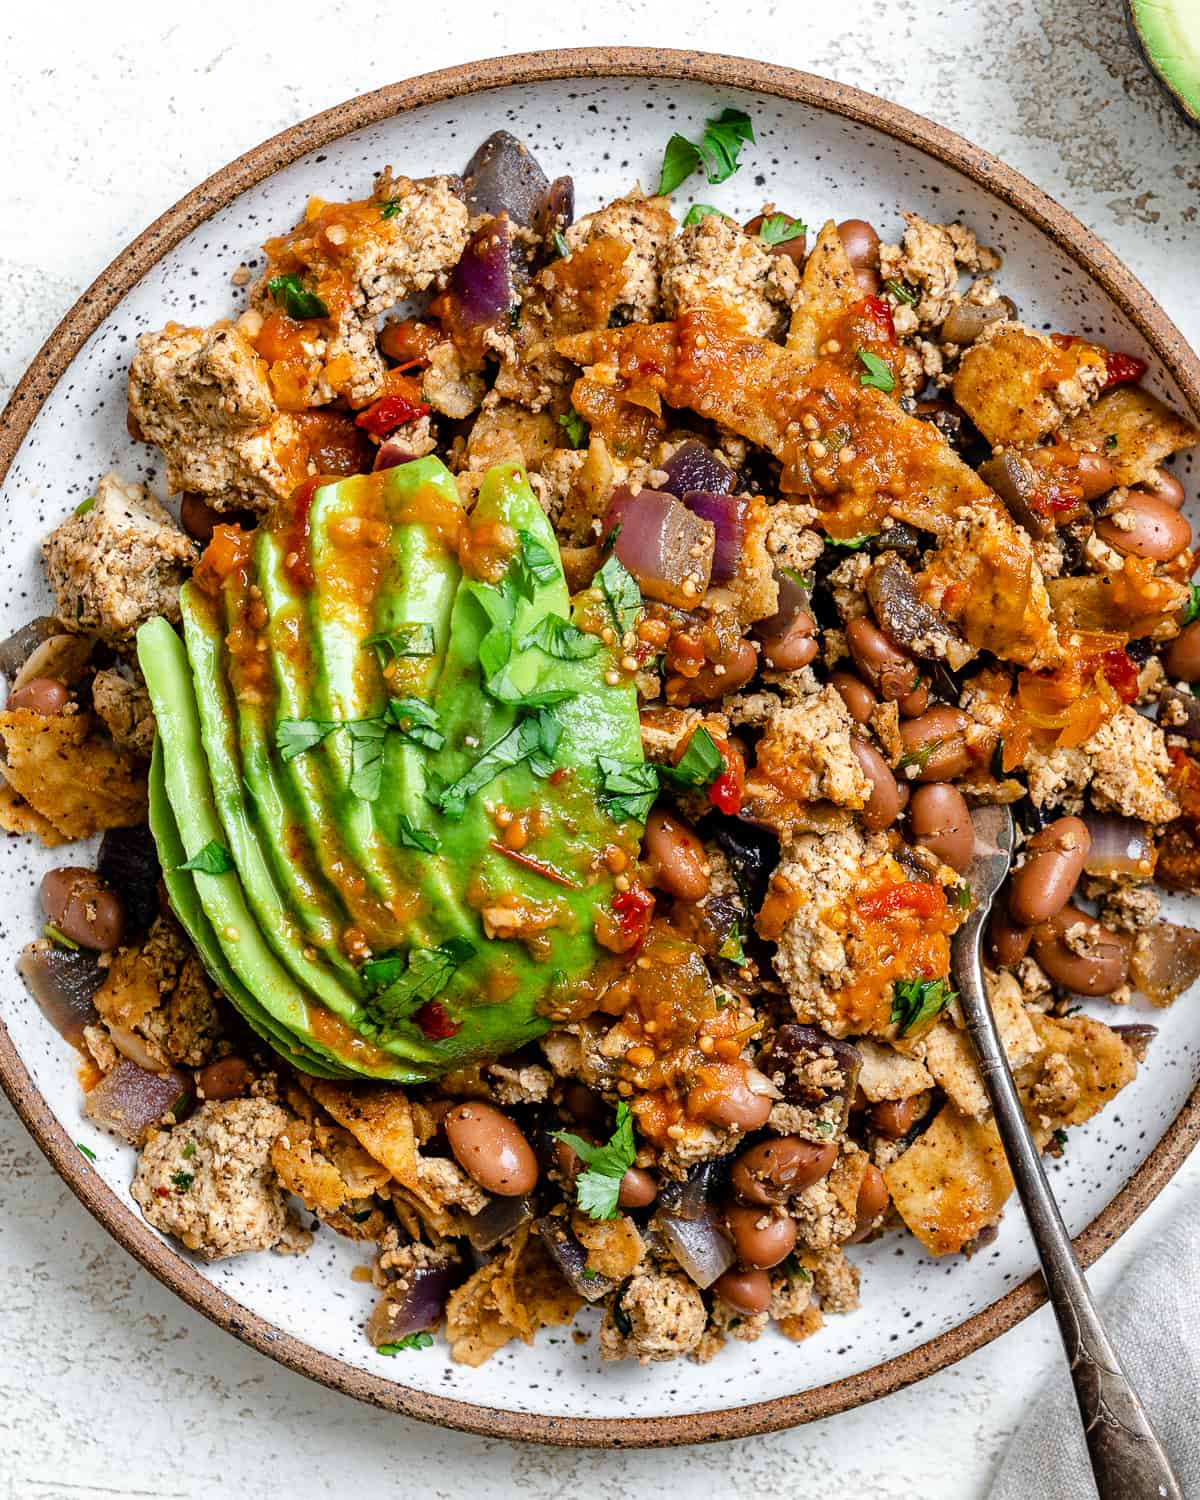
1128	1461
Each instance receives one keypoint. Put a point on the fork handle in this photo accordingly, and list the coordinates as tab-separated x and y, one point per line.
1128	1461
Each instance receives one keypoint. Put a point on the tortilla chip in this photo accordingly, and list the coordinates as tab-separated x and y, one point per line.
380	1119
77	781
16	816
510	1297
951	1182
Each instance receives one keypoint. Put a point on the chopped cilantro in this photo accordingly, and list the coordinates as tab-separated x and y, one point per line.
183	1180
918	757
1060	1137
366	757
851	543
596	1188
794	1271
416	722
534	739
85	1151
621	594
961	897
189	1151
824	1127
559	638
915	1001
409	1341
716	155
401	982
627	787
904	293
84	506
391	208
731	949
700	764
294	736
575	428
295	301
412	837
589	1273
777	229
213	859
1192	608
1109	442
414	639
538	563
700	211
59	938
560	244
875	373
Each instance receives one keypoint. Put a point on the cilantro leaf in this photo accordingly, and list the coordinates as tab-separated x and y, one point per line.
700	211
716	155
851	543
621	594
294	736
1192	608
183	1180
391	208
777	229
918	757
904	293
85	1151
539	562
680	160
700	764
731	949
915	1001
1109	442
596	1189
290	294
875	374
560	244
420	1340
534	739
400	983
414	639
366	757
84	506
412	837
575	428
416	722
559	638
213	859
627	787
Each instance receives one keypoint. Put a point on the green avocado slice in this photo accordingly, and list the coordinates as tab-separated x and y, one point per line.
181	892
277	917
1168	33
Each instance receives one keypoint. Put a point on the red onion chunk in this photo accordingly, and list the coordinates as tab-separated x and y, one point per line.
497	1221
666	548
572	1259
64	985
688	1199
392	453
128	1099
1166	961
793	600
16	650
1120	846
503	177
481	284
702	1249
414	1304
693	467
728	516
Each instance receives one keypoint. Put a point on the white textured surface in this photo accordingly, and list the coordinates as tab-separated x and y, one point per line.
110	1385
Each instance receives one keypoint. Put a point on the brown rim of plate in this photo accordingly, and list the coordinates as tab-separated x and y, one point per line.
52	360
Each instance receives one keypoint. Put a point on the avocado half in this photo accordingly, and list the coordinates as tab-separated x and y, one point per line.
1167	32
347	729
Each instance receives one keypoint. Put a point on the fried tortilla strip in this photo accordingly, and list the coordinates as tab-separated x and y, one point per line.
1133	430
69	775
901	467
1133	602
1081	1065
830	292
380	1119
1017	385
951	1182
511	1297
16	816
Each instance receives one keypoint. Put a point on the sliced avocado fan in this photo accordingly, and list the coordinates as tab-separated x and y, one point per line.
1168	33
376	789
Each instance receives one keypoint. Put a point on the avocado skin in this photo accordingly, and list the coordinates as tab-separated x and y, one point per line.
300	816
1169	41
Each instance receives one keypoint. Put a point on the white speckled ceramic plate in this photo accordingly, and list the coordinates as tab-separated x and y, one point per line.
604	116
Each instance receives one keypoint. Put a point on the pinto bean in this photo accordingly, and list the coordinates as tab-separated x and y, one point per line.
1054	861
197	518
1008	943
1164	486
873	1198
83	907
774	1170
859	699
715	679
725	1097
761	1238
638	1189
1095	474
914	704
861	242
227	1078
941	822
41	695
887	668
868	281
936	744
1144	526
884	804
490	1148
796	647
678	863
1098	971
893	1118
747	1292
793	248
1182	659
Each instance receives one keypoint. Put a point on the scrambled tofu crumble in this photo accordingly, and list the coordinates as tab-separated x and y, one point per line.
869	550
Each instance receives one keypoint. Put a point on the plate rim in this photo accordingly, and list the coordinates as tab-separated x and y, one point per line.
43	374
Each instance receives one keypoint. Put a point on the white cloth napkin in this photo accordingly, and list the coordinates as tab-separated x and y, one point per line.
1153	1319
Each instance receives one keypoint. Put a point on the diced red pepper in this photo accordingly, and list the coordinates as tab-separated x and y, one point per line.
388	413
1120	368
434	1022
633	908
923	897
1121	673
725	793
